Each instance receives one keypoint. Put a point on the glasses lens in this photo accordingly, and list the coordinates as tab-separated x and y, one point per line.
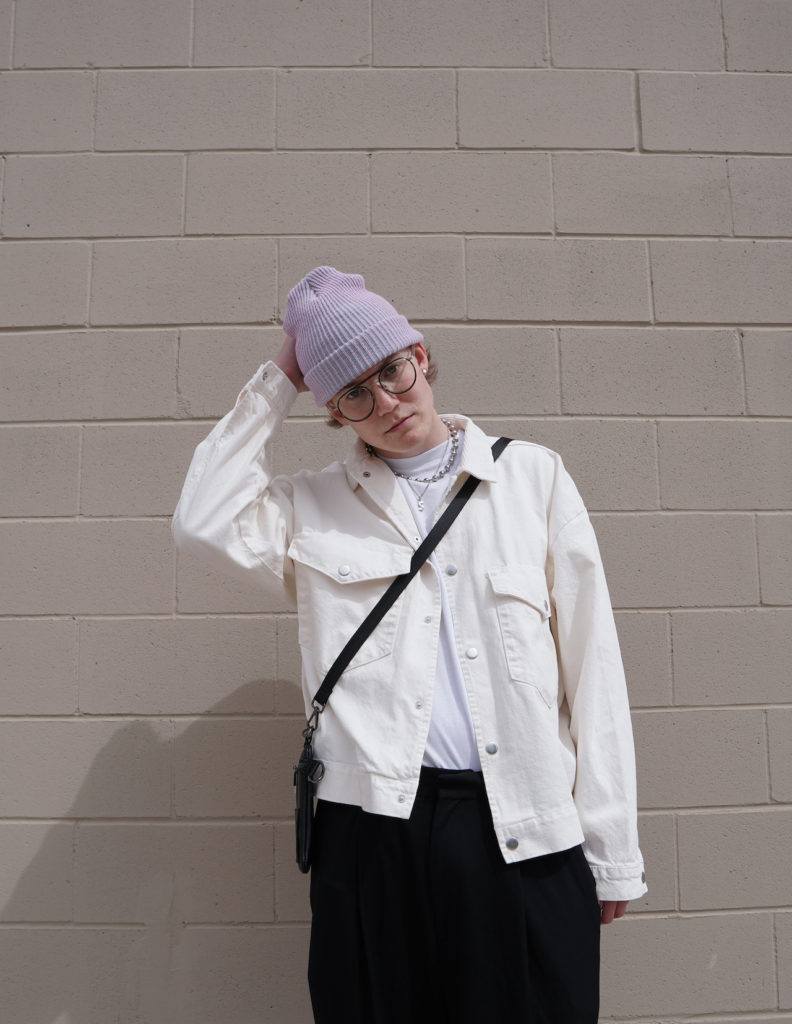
398	376
356	404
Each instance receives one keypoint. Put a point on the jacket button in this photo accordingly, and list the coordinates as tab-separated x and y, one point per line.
512	844
344	570
451	570
471	652
491	748
643	876
366	473
402	798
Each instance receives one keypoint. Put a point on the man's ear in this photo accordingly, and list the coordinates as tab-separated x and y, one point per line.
336	415
421	358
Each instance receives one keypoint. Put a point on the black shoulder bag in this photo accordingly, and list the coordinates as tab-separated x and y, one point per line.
309	771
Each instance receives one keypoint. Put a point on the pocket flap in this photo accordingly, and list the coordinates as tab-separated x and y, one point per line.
349	561
526	582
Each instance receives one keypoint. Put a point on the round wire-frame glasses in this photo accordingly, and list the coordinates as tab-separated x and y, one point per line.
395	377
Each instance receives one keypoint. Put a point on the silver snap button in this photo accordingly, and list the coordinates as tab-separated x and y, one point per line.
402	798
264	375
471	652
428	619
643	876
546	605
451	570
419	704
491	748
366	473
512	844
344	570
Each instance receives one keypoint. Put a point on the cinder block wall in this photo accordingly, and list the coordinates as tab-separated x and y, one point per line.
585	206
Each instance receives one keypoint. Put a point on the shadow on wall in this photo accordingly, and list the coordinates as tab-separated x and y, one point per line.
136	917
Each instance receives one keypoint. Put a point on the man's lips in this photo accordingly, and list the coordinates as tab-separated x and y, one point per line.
398	424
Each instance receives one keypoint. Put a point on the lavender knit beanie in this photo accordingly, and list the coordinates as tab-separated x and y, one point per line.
341	329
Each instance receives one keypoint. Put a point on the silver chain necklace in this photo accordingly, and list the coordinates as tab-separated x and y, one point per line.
445	466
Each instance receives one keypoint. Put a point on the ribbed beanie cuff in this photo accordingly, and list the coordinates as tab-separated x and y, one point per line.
341	329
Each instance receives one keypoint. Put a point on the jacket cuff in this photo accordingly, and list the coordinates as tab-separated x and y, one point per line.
619	881
273	384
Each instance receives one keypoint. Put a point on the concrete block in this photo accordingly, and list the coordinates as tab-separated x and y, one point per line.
219	586
645	642
39	469
36	872
279	33
657	838
85	769
460	35
309	444
214	363
546	109
640	194
725	464
132	470
625	34
651	371
423	276
700	758
110	33
186	280
46	110
768	372
90	194
291	886
716	113
774	536
739	859
664	968
611	461
732	657
557	279
679	559
181	873
6	40
461	191
240	974
192	665
90	975
511	369
723	281
760	188
783	923
289	698
235	768
271	193
188	108
79	375
84	567
779	730
63	265
38	666
757	36
366	108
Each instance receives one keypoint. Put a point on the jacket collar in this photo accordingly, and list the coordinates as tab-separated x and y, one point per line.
371	472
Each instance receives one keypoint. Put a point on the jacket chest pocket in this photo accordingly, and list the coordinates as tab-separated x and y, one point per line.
523	605
337	586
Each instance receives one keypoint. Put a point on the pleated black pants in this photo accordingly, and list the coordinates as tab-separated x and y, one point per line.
421	921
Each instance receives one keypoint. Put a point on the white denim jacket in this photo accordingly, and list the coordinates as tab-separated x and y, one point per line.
532	617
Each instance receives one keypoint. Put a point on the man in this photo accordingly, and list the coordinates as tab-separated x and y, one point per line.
476	822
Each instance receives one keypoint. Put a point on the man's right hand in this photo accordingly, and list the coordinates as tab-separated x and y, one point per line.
286	359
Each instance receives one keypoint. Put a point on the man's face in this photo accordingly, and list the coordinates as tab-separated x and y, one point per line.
400	425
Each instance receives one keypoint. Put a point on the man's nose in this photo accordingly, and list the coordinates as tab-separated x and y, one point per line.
384	401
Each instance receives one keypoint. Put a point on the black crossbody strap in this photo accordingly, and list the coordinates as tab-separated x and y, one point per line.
398	586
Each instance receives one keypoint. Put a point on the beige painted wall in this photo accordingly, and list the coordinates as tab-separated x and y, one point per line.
585	206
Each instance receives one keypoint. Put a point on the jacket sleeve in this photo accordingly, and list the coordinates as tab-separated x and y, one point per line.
232	513
592	676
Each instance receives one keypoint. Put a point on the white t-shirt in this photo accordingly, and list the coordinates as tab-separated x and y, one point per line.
451	741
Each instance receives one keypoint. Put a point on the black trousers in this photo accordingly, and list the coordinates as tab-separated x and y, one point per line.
421	921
